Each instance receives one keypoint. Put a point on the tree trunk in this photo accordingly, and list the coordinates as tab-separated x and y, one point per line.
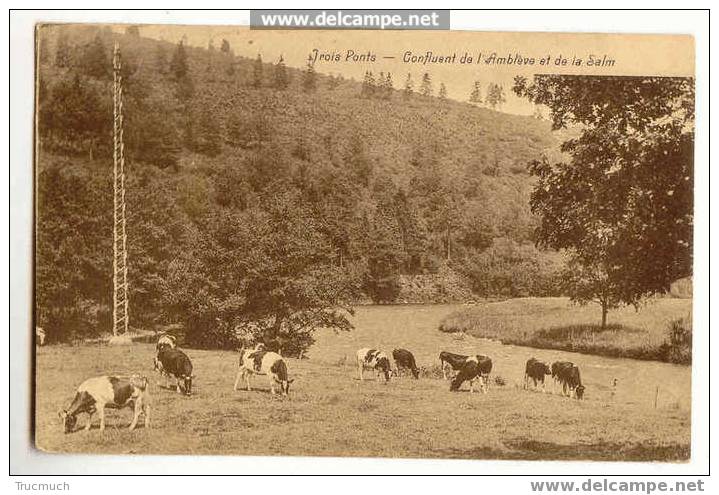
449	245
604	314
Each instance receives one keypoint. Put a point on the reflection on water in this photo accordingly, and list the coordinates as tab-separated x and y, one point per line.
415	327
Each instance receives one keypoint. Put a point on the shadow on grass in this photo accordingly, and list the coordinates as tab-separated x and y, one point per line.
548	451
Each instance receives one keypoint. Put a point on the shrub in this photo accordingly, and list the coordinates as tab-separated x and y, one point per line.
677	348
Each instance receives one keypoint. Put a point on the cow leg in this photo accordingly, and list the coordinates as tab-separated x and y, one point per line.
247	381
237	379
179	389
146	410
101	413
444	371
359	371
484	382
136	413
544	387
89	421
272	384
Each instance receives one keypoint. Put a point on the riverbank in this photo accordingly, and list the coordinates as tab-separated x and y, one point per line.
555	323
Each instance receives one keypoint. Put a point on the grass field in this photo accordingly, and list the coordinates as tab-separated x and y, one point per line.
331	413
555	323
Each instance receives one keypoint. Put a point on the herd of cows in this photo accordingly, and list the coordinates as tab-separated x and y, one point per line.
116	392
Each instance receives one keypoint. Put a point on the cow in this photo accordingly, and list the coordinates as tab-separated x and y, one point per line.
474	368
261	362
174	362
405	360
567	374
452	361
40	336
377	360
95	394
536	371
166	341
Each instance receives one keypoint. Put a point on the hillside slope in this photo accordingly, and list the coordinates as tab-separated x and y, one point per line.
395	185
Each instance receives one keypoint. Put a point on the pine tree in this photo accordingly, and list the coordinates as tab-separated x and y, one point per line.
476	96
257	72
281	79
309	78
388	86
368	85
42	49
178	63
62	53
161	59
94	61
442	91
225	47
426	87
495	96
133	31
408	86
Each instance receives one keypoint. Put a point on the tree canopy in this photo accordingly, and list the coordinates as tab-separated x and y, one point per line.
621	199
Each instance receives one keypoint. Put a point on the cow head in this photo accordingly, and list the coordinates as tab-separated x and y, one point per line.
384	366
68	420
547	369
285	386
415	373
579	392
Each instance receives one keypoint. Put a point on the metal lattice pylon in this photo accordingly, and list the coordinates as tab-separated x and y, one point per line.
120	302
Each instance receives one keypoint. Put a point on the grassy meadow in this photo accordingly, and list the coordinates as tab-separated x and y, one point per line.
331	413
556	323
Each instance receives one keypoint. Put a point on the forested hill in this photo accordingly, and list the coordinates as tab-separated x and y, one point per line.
370	180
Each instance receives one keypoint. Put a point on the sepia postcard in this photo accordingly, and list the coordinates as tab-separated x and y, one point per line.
363	243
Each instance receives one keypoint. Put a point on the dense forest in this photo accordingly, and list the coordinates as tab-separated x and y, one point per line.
267	200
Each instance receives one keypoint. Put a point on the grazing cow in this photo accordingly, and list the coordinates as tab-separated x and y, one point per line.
261	362
536	371
567	374
452	361
40	336
372	358
166	341
474	368
174	362
405	360
95	394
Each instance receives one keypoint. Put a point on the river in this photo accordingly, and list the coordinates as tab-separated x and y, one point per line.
415	327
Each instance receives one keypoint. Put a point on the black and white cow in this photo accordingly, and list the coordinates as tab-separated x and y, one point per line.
567	374
404	359
451	361
166	341
536	370
173	362
474	368
373	359
261	362
95	394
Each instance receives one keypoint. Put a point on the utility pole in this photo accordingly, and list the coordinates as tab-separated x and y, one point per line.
120	302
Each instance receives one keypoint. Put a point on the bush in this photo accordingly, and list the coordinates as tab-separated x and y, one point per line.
677	348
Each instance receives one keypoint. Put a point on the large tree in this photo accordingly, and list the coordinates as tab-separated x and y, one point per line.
621	199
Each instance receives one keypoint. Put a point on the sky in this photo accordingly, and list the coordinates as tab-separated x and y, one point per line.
384	51
295	47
